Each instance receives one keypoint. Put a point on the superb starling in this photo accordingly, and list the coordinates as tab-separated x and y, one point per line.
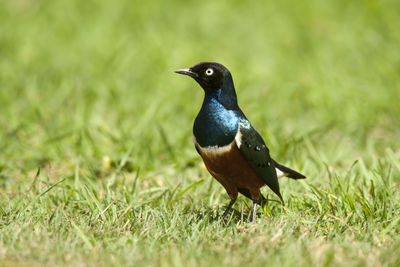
231	148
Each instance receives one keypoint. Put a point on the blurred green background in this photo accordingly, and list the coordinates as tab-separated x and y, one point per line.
83	81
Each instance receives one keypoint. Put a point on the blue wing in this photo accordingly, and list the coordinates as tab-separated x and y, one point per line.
253	148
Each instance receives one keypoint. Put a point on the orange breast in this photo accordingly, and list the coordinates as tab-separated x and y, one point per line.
232	170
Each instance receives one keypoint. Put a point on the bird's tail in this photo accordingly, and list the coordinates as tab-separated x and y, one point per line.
289	172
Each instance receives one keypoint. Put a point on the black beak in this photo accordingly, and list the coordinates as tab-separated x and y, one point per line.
187	72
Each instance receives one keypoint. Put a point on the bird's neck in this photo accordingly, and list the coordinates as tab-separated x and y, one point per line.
226	95
217	122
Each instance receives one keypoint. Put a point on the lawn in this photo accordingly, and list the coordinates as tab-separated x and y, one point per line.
97	166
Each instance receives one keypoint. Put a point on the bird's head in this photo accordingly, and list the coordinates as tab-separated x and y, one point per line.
210	75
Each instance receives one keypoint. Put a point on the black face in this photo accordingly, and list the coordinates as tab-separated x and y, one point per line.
209	75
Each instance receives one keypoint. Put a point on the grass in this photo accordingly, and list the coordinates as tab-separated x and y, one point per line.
97	165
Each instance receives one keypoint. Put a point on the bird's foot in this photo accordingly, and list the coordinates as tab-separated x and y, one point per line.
253	219
233	200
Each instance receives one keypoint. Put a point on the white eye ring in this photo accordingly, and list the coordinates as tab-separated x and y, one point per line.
209	72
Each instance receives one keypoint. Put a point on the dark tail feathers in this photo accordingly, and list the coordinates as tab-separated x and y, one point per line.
289	172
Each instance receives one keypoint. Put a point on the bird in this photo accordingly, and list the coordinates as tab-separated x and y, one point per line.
232	150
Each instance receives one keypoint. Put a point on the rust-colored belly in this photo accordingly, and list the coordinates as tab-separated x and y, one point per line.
232	170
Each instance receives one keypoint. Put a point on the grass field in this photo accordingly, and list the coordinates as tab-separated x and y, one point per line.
97	165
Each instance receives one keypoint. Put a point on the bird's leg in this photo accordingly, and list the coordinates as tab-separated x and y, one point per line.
254	211
229	207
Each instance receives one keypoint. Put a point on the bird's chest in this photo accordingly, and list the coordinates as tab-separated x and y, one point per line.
215	125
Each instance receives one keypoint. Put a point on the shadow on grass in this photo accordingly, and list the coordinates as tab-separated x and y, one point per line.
214	216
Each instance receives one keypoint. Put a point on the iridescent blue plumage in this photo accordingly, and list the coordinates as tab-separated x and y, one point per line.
216	125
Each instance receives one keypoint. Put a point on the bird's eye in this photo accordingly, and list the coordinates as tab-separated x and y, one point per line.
209	72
